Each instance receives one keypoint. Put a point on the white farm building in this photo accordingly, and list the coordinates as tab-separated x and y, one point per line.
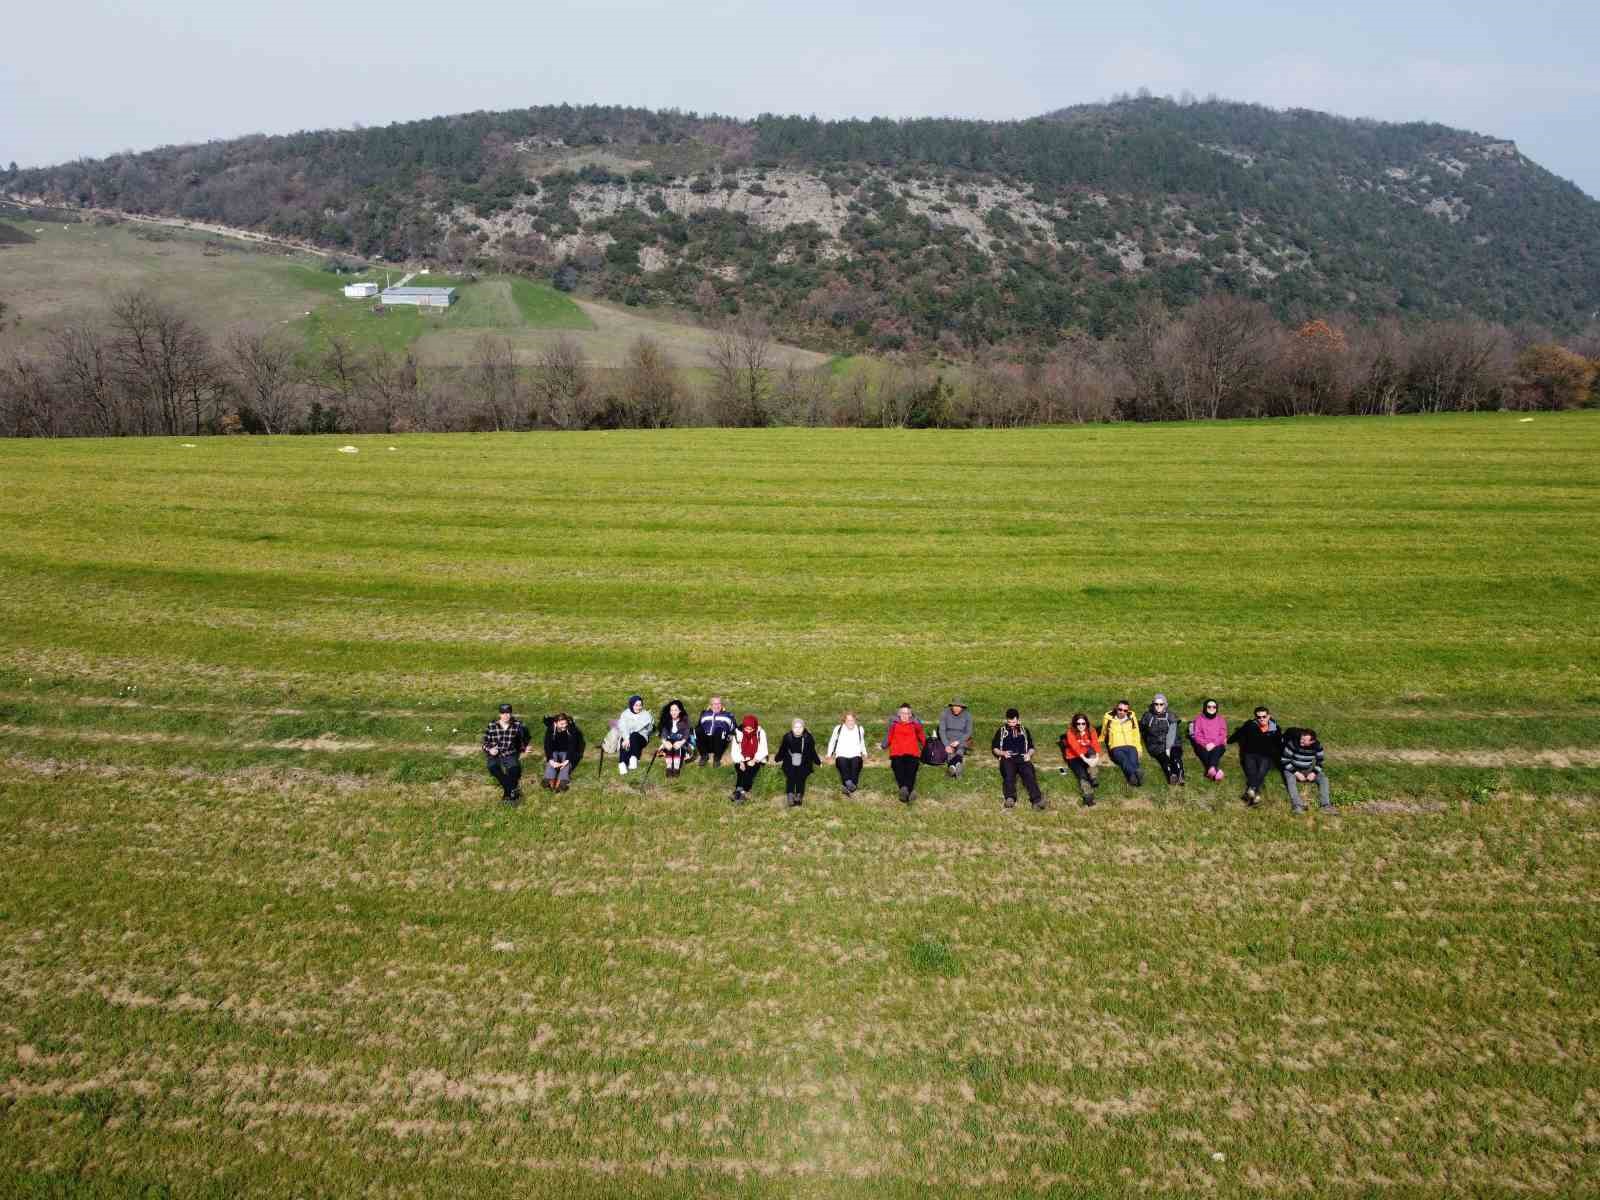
360	291
423	297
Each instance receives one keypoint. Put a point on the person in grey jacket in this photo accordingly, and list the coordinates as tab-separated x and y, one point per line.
1303	761
634	727
955	731
1162	733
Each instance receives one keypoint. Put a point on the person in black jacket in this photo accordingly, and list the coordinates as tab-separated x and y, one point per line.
797	755
1162	732
677	736
1013	746
1260	745
563	751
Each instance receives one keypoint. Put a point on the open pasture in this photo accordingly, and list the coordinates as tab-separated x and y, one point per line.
265	931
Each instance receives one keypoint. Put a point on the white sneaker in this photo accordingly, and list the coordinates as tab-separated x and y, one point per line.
622	768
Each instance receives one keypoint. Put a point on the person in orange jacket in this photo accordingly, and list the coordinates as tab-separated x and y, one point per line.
904	741
1080	749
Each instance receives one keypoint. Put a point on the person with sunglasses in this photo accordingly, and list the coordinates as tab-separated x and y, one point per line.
1120	733
1080	750
1260	745
1161	731
1208	737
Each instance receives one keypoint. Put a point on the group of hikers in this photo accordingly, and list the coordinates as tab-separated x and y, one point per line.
1296	753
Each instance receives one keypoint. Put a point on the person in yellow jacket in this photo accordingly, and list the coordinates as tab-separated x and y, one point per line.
1119	732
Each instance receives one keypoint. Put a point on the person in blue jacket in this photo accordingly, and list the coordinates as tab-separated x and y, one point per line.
713	732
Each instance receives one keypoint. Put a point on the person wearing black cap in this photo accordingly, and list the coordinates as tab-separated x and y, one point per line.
505	740
1013	746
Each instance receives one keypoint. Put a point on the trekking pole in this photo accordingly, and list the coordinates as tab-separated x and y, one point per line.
648	765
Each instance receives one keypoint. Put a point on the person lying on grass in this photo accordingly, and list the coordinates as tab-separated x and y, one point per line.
749	752
563	751
847	751
1302	762
1013	745
505	740
797	758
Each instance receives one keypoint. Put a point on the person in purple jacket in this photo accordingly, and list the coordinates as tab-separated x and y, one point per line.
1208	734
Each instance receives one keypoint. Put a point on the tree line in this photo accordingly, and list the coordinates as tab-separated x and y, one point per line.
145	367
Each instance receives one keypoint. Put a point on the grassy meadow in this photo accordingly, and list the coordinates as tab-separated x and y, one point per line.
265	930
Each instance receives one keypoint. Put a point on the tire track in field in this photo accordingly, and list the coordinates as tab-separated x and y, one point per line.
1563	758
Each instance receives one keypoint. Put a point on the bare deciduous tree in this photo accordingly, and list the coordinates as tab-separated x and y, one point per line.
493	385
649	388
741	358
163	360
85	375
1225	344
263	369
563	389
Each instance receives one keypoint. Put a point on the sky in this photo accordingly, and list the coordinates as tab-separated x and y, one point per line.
96	77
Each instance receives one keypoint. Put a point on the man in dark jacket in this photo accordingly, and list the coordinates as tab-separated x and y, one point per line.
1260	748
1162	732
563	751
1013	746
713	732
504	742
1304	762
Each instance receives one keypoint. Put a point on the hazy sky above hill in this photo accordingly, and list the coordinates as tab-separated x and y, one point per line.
96	76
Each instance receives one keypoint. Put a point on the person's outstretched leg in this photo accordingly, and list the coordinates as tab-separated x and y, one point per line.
1289	784
1008	783
1030	780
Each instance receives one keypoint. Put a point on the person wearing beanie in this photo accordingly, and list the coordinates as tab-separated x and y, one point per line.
847	751
1120	733
1208	737
505	741
955	731
563	751
1161	731
904	740
713	732
634	727
797	757
677	736
1260	749
1013	746
749	752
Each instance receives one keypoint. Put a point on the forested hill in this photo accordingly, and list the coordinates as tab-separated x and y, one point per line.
890	233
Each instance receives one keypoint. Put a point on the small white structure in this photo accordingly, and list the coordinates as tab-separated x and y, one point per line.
422	297
360	291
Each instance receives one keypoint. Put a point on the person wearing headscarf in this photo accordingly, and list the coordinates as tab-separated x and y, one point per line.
634	727
955	731
749	749
904	740
1208	737
563	751
1162	730
797	758
847	751
677	736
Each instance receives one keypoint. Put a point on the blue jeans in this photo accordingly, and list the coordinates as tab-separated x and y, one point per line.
1127	758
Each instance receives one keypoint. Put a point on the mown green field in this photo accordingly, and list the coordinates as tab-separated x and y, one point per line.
264	929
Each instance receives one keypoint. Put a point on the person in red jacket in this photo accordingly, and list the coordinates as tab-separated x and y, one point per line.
1080	747
904	742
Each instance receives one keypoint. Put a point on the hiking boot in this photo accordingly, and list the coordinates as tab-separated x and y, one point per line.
1138	779
1088	800
738	796
1009	802
798	800
905	795
850	789
1250	798
1041	805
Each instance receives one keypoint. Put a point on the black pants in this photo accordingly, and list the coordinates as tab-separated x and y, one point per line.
1210	759
1086	779
1171	764
632	747
711	749
795	779
1256	769
849	771
905	770
1012	769
744	777
507	772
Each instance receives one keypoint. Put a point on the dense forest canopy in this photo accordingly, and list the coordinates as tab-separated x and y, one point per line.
946	233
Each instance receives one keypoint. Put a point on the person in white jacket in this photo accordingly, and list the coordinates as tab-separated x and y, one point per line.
634	726
749	752
847	751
